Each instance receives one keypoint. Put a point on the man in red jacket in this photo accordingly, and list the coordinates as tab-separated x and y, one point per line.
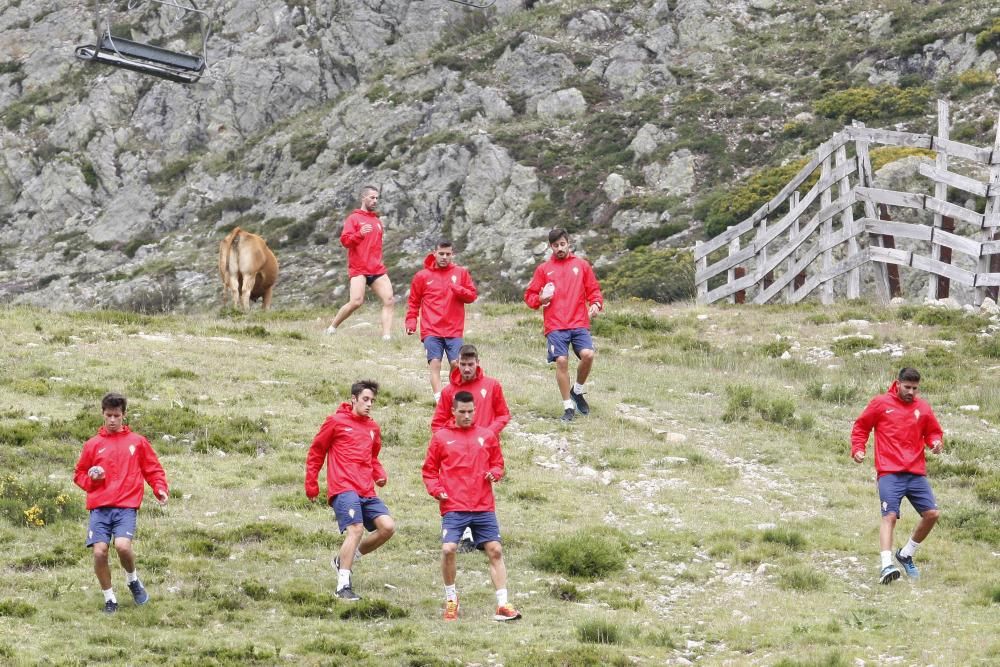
438	294
567	290
349	441
463	462
112	468
362	236
904	425
492	412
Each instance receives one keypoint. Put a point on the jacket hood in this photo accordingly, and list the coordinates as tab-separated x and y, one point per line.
105	433
369	214
430	263
456	376
346	409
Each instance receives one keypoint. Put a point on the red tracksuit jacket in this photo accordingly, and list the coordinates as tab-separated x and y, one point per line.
350	446
487	395
457	462
902	430
576	288
439	296
128	459
364	253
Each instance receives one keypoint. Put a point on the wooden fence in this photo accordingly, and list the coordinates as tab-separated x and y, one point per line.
826	236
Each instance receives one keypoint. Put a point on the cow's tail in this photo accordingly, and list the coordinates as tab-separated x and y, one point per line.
234	247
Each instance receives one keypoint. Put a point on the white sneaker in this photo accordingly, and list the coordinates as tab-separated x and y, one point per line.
386	337
330	330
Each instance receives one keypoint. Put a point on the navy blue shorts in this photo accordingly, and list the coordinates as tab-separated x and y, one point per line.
350	508
484	526
106	522
892	488
438	346
561	339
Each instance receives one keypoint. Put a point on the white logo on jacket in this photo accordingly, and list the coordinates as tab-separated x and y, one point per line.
916	414
481	441
131	450
372	434
482	392
576	270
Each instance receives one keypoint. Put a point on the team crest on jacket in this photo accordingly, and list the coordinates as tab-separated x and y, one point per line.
576	270
481	441
131	450
372	434
916	414
482	392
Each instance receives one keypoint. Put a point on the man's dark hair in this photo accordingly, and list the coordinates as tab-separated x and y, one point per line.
909	375
558	233
467	351
463	397
367	188
444	243
114	400
361	385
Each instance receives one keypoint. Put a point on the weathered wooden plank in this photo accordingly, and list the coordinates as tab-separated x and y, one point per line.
958	149
818	279
729	262
889	137
701	288
990	248
890	197
731	288
962	244
791	246
797	208
890	256
953	211
951	179
723	239
905	230
845	233
987	279
940	268
786	278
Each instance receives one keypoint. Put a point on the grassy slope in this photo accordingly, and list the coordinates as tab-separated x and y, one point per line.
749	542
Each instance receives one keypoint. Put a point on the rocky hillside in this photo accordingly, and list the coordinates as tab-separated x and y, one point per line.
628	122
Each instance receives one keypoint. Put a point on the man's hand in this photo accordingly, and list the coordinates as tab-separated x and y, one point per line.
442	496
380	482
858	457
490	476
96	472
162	496
594	309
937	446
365	229
410	330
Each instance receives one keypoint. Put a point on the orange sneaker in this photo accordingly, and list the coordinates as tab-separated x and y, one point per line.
506	613
451	610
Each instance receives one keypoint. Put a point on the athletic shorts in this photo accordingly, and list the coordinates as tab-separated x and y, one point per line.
484	526
561	339
438	346
350	508
892	488
108	522
370	278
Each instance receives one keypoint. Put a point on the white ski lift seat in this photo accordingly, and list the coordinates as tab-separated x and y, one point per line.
147	58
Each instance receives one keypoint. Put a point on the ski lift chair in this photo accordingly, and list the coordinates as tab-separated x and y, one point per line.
147	58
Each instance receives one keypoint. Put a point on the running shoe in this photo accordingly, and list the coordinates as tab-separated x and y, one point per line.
346	593
451	610
890	573
568	415
581	403
110	607
907	562
139	593
506	613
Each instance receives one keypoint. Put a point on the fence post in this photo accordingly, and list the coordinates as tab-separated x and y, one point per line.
826	231
940	192
846	221
793	231
701	289
892	271
734	247
881	277
761	258
944	284
991	263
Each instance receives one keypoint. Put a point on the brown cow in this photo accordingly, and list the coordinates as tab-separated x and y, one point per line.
248	268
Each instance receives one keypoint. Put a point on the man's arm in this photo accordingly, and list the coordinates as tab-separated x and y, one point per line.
378	472
81	473
532	294
501	413
152	471
496	471
442	411
593	291
413	304
862	428
351	234
431	470
463	287
316	456
933	433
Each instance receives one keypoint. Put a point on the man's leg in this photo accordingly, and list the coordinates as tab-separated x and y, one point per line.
385	528
352	540
449	568
383	290
889	571
583	368
356	297
126	555
101	567
498	574
434	365
562	377
927	520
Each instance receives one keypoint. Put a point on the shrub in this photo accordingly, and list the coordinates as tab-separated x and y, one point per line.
851	344
368	610
801	579
35	503
976	79
305	148
743	402
786	536
869	103
658	275
653	234
616	323
587	553
831	660
989	38
255	590
565	591
775	349
722	209
885	154
599	631
60	556
577	656
974	525
989	490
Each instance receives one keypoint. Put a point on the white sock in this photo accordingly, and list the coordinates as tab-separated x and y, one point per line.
501	597
886	558
386	337
568	404
910	549
131	576
577	388
451	593
343	578
109	596
331	329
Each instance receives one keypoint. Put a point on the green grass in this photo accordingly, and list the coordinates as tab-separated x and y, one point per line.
685	516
